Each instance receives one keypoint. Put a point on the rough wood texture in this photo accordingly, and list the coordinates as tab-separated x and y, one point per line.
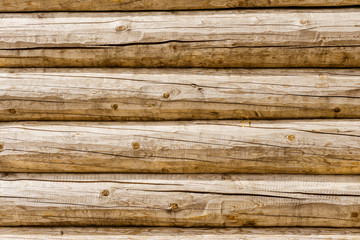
130	5
319	147
26	233
163	94
243	38
179	200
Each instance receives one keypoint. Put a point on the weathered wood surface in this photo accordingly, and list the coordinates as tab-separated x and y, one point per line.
238	38
167	94
139	5
179	200
313	146
162	233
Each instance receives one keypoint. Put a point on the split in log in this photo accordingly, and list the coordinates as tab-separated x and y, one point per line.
162	233
312	147
177	94
179	200
139	5
242	38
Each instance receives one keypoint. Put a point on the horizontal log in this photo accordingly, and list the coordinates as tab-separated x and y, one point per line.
162	233
242	38
185	94
318	147
139	5
179	200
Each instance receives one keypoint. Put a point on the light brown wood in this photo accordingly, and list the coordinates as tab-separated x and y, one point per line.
162	233
129	5
179	200
318	147
167	94
238	38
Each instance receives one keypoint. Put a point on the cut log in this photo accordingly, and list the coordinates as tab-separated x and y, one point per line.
185	94
162	233
243	38
317	147
179	200
139	5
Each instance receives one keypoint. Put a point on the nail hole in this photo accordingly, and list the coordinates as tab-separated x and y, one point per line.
291	137
105	192
12	111
337	110
115	106
136	145
166	95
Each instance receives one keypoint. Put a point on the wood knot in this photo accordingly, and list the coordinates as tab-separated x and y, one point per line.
12	111
354	214
115	106
291	137
166	95
337	110
1	147
135	145
105	192
231	217
121	28
61	233
174	206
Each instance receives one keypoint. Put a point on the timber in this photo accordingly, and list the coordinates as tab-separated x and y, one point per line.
184	94
163	233
139	5
236	38
298	146
179	200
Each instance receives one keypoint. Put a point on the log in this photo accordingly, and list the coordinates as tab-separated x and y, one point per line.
184	94
163	233
140	5
310	147
179	200
238	38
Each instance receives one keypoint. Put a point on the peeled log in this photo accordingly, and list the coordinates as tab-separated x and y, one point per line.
312	146
163	233
241	38
140	5
177	94
179	200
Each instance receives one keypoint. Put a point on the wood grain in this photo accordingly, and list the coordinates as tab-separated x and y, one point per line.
184	94
139	5
237	38
312	146
163	233
179	200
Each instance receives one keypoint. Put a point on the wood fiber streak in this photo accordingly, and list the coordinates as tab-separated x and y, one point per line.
308	147
236	38
179	200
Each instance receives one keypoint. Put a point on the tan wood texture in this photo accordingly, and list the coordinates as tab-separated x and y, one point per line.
163	233
177	94
130	5
237	38
179	200
318	147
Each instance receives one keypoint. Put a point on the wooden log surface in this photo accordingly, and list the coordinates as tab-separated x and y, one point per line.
139	5
179	200
237	38
312	146
172	94
163	233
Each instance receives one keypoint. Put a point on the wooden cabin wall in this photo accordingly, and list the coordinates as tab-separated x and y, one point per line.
179	119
